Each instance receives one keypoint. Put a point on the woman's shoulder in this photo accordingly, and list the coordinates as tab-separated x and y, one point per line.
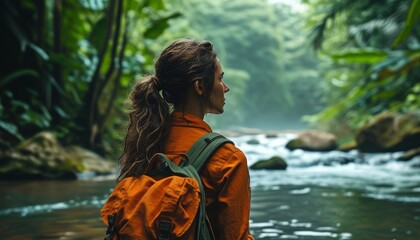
228	152
226	160
230	147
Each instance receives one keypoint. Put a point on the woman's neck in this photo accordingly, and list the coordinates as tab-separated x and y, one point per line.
192	109
193	104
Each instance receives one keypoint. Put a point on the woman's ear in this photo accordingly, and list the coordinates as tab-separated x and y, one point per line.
198	86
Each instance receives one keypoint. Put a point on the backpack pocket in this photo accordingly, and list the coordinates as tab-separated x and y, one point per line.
180	204
141	204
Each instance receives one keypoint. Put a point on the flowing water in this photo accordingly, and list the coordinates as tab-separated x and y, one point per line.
331	195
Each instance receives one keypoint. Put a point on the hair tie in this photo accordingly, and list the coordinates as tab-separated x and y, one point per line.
156	81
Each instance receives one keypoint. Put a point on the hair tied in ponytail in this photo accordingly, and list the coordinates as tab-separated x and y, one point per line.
156	81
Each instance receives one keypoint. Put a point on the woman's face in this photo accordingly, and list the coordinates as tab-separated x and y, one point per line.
217	95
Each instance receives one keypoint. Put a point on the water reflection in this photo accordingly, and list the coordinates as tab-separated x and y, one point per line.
330	213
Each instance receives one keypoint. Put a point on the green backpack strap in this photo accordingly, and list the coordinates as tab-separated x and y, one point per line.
204	147
169	168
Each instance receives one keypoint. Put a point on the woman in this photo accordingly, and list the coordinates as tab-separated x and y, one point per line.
188	82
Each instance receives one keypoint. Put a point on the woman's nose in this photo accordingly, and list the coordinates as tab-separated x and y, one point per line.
227	89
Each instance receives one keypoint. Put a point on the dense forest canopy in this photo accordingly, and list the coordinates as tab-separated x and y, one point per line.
67	66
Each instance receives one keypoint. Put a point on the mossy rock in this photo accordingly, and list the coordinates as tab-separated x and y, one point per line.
390	132
274	163
90	161
346	147
42	157
313	141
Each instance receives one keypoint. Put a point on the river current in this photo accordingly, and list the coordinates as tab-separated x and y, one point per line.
331	195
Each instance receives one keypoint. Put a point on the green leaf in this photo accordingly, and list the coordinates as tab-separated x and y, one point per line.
410	22
364	56
39	50
60	112
45	113
159	26
55	84
20	104
17	74
10	128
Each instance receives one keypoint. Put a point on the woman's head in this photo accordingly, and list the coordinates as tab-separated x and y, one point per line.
183	63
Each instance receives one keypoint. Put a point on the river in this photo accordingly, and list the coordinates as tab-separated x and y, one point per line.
333	195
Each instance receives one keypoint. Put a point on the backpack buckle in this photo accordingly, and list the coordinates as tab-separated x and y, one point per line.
183	163
165	228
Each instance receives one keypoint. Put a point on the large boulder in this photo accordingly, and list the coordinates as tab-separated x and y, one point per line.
38	158
42	157
313	141
92	162
390	132
274	163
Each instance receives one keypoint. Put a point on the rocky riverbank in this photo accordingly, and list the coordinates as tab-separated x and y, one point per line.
43	157
387	132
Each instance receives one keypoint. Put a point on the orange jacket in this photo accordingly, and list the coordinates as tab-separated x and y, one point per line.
225	177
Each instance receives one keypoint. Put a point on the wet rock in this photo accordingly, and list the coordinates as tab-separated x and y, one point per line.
313	141
269	135
410	154
274	163
390	132
338	160
92	162
272	134
346	147
42	157
38	158
253	142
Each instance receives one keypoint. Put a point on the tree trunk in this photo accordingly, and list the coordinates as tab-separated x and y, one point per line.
56	89
91	116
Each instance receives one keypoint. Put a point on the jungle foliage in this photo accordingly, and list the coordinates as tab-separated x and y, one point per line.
375	46
67	66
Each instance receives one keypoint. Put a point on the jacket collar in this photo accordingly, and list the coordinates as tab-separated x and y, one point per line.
180	119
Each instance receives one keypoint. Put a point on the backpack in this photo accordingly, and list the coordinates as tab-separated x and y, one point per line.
167	202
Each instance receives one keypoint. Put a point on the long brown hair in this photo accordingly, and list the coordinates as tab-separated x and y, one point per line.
178	66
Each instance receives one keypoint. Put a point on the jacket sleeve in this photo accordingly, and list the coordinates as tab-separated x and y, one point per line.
232	205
